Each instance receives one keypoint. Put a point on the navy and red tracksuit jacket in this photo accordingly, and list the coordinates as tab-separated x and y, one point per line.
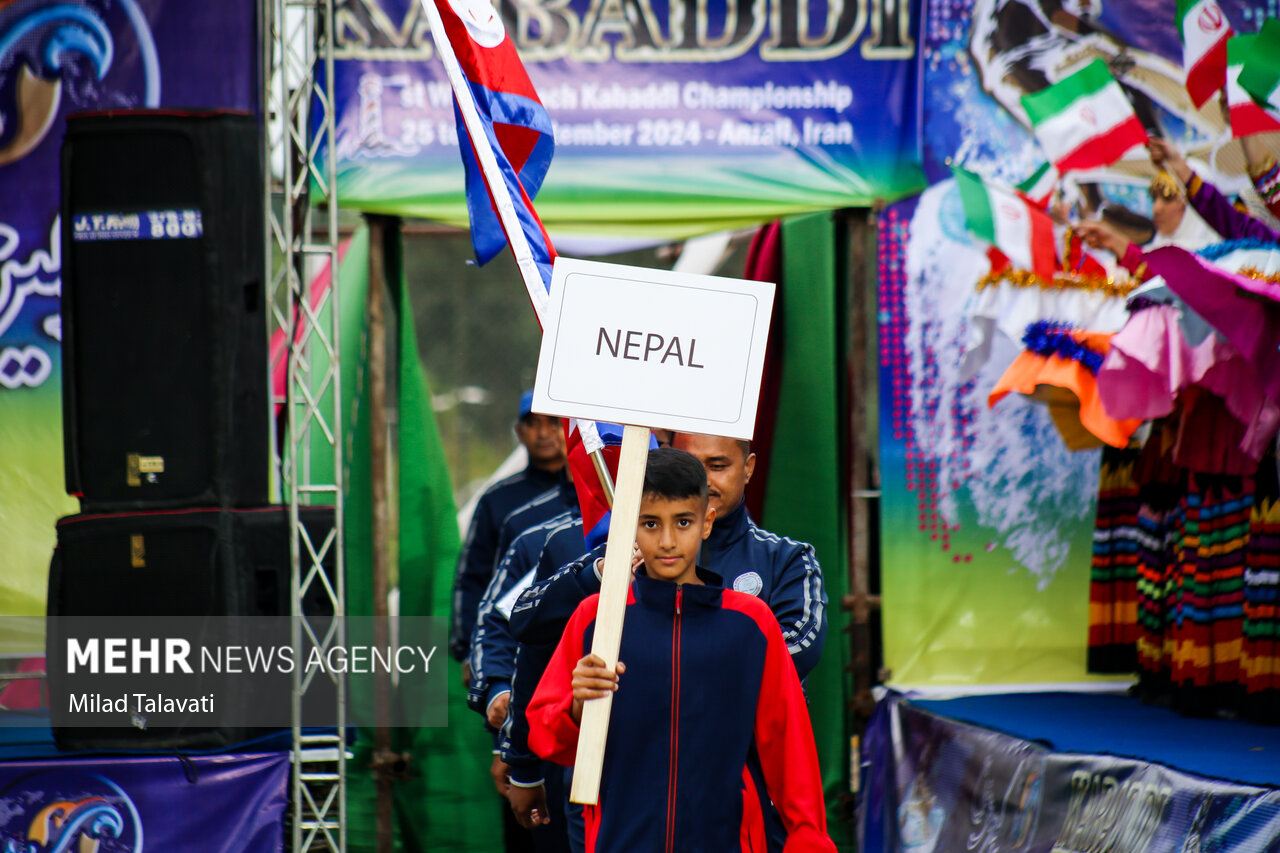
708	676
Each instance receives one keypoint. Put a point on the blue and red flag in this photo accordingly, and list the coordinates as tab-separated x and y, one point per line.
516	125
518	131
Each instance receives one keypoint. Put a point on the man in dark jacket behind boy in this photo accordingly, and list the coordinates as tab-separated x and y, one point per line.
544	440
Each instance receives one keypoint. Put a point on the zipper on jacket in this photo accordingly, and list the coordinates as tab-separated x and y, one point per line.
675	722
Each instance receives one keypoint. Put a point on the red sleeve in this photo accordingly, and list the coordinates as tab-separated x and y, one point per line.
1134	263
552	732
784	740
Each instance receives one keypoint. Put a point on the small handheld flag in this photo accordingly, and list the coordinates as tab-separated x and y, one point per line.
1204	31
1260	73
1040	186
1084	121
1009	222
1247	116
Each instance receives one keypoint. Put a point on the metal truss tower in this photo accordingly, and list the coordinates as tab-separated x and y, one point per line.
297	65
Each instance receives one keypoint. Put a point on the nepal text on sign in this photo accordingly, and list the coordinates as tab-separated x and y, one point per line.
654	345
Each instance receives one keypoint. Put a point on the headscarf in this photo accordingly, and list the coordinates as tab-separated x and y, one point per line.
1192	233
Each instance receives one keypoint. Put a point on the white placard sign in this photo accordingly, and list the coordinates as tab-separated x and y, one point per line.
653	348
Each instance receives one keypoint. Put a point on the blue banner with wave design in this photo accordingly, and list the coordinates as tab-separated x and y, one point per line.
201	804
59	57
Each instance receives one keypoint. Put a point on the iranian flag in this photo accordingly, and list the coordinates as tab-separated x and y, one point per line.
1204	30
1039	187
1009	222
1084	121
1260	72
1247	116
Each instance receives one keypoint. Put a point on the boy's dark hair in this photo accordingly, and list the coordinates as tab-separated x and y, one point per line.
674	475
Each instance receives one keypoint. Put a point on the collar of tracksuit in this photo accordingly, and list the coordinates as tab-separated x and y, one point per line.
661	595
728	528
550	478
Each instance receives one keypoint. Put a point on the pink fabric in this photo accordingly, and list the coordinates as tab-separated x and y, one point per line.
279	343
1150	364
1237	383
764	263
1242	309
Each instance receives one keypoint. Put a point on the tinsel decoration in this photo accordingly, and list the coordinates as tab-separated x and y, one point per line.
1050	339
1259	275
1061	281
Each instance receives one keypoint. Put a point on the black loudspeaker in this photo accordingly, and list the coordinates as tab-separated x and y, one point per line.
164	341
189	566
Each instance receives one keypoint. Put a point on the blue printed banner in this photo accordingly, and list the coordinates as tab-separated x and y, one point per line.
198	804
58	57
937	784
670	118
986	516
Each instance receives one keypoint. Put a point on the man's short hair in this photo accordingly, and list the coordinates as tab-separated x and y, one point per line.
674	475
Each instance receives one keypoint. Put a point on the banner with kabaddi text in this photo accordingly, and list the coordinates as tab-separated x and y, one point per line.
670	118
57	58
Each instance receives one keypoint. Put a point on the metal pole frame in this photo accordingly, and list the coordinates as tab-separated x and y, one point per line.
299	122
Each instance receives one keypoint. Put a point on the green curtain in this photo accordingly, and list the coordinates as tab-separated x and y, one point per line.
804	498
448	802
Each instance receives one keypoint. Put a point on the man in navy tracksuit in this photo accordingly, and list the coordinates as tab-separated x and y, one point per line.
710	681
493	647
493	653
533	784
524	537
557	501
544	440
781	572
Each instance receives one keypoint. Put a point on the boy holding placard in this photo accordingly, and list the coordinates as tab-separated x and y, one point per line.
710	676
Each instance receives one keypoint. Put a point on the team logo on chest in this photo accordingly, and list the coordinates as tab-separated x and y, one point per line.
750	583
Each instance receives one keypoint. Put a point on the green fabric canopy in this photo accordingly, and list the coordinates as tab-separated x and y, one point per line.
448	802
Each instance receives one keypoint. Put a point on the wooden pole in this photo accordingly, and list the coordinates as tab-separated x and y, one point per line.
615	580
863	472
377	385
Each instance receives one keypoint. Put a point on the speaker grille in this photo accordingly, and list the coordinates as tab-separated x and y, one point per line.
164	331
